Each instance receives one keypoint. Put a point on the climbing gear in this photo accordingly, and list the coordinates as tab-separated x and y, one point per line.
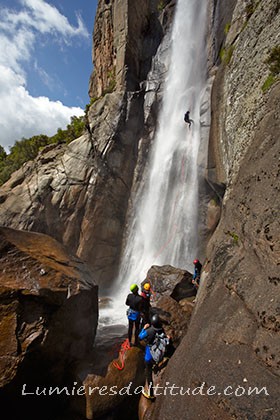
158	348
147	286
132	314
134	288
124	347
195	261
155	321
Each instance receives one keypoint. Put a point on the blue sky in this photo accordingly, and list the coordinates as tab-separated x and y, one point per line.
45	65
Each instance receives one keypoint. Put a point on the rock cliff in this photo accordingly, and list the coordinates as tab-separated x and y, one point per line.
80	193
233	338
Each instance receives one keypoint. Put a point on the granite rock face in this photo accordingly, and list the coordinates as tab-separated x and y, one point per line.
239	101
48	311
126	36
79	193
233	337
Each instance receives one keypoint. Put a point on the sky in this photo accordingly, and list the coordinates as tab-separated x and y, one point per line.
45	65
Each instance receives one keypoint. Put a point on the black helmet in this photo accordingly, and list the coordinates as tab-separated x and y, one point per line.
155	321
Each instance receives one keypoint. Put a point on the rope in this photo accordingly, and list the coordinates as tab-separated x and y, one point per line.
124	347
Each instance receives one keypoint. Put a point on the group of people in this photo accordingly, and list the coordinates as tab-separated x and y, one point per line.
138	313
147	326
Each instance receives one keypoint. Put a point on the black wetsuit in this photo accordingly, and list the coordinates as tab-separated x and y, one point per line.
187	118
145	317
135	302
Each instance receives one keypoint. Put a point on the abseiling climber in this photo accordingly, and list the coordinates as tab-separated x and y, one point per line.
187	118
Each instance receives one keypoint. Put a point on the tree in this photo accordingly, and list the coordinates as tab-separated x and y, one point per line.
3	154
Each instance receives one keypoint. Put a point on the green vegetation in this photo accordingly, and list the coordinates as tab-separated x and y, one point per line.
234	237
227	28
161	5
226	54
273	62
27	149
270	80
92	101
250	8
214	202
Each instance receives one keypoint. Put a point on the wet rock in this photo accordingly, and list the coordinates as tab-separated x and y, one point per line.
105	394
144	407
48	312
232	338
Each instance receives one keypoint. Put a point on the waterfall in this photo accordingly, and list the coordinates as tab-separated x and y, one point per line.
163	229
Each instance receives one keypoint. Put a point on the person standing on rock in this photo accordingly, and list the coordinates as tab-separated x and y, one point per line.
135	303
197	272
151	333
146	297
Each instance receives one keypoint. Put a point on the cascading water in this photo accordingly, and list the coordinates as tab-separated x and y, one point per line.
163	228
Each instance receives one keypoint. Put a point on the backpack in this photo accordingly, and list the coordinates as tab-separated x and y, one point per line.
158	348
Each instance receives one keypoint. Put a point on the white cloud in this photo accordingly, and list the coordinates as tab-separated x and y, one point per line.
23	115
48	18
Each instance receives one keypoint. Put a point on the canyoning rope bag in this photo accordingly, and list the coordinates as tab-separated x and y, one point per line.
132	314
158	348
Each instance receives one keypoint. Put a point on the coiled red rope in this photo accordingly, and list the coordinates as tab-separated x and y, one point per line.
124	347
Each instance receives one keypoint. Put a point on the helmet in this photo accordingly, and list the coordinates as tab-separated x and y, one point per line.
155	321
195	261
147	286
134	288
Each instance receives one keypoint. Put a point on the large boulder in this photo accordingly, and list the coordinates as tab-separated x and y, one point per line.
104	394
48	313
170	281
175	317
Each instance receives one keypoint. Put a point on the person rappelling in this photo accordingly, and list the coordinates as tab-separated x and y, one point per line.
187	118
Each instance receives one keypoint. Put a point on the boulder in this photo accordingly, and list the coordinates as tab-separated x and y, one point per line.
170	281
105	393
48	312
175	317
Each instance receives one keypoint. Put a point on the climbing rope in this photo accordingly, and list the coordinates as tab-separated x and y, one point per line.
124	347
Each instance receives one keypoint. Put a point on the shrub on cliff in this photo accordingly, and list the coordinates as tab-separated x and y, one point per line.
27	149
273	62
